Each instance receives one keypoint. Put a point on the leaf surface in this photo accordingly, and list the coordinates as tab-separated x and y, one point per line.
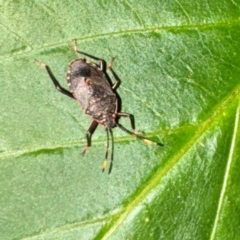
179	68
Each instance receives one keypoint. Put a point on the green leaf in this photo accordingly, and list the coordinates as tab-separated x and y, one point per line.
179	68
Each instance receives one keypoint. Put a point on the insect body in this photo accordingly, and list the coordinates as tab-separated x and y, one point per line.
89	85
91	89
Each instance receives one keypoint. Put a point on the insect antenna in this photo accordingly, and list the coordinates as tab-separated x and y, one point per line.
111	163
104	165
147	141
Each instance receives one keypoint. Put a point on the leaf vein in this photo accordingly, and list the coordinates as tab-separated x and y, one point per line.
224	186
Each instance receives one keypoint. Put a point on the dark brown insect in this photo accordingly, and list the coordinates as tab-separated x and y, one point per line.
89	85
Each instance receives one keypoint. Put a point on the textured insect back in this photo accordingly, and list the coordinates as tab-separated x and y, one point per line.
90	87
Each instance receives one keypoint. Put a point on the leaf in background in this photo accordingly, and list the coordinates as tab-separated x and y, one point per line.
179	66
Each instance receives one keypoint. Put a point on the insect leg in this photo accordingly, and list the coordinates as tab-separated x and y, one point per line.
54	80
130	116
89	133
116	84
147	141
101	64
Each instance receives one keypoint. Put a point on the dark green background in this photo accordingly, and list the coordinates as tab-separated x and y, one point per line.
179	65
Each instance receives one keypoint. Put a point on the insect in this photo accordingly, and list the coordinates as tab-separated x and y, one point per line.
90	87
